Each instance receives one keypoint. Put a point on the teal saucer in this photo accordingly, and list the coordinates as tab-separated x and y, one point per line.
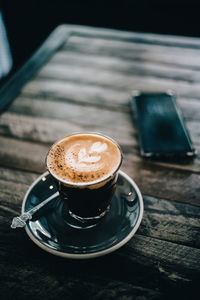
50	228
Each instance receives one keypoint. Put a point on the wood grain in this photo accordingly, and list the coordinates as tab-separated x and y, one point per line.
68	58
161	182
70	118
112	81
72	111
128	268
165	54
76	92
73	114
161	217
103	70
166	220
104	98
16	176
38	129
115	275
137	37
154	180
22	155
86	86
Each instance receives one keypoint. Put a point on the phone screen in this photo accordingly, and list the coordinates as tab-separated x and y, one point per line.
161	126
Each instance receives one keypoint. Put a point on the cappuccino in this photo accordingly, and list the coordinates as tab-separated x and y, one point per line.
83	159
85	167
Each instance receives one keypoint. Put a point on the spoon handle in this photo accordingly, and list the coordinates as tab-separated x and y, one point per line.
20	221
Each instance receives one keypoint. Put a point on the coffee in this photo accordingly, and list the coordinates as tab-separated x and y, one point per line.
83	159
85	167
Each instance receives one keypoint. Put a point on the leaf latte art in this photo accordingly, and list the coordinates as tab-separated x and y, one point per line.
83	158
90	160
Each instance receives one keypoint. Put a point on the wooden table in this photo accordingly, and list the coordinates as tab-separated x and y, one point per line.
80	80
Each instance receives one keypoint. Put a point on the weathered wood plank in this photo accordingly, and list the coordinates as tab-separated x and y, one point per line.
129	49
11	195
48	130
154	180
41	94
27	156
115	89
171	221
167	183
73	114
121	41
193	128
190	108
137	37
13	186
127	276
14	85
192	165
67	57
162	260
16	176
75	118
76	91
58	285
175	267
170	252
23	155
161	217
45	126
130	147
113	277
74	65
166	220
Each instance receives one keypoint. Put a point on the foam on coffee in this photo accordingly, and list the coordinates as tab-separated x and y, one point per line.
83	159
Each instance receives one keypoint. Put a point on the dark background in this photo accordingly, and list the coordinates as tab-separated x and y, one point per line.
29	22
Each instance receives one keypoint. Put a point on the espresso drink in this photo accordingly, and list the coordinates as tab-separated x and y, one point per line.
85	166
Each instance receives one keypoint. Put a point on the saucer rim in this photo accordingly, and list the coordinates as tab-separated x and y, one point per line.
87	255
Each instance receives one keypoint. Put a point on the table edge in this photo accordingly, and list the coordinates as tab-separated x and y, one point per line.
60	34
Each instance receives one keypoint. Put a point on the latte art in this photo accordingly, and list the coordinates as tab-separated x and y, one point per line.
87	159
83	158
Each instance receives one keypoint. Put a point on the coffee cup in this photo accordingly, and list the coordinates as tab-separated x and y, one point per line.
84	167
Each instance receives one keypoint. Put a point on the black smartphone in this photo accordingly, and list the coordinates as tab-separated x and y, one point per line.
162	129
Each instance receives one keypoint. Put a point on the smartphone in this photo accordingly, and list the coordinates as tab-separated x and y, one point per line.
162	130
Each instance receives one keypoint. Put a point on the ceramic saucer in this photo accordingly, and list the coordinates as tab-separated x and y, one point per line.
49	230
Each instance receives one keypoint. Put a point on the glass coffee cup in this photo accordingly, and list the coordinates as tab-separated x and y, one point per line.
85	168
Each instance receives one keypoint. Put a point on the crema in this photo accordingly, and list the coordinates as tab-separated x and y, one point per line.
83	158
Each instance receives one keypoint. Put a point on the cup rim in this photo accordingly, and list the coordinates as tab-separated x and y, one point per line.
85	184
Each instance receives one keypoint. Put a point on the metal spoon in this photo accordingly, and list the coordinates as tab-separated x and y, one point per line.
21	220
